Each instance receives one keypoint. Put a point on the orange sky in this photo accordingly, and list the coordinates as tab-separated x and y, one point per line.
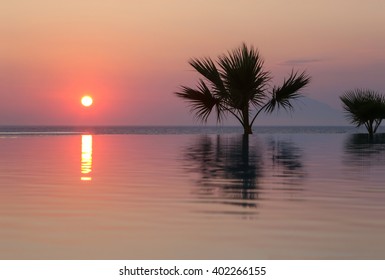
132	55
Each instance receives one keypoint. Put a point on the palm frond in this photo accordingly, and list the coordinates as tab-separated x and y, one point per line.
243	76
288	91
201	101
207	68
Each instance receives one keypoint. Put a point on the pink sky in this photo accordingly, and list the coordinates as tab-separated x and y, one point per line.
132	55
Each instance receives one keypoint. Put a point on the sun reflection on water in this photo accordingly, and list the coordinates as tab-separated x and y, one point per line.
86	163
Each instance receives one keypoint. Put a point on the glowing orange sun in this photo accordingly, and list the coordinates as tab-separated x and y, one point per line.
87	101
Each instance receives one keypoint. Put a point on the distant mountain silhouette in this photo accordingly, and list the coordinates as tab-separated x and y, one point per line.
307	111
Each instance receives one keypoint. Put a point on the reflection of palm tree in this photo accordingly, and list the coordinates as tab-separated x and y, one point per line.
244	167
233	174
225	168
238	85
362	150
364	107
286	156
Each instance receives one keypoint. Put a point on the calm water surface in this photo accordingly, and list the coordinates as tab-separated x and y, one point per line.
302	195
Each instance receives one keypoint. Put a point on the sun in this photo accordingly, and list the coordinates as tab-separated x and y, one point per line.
87	101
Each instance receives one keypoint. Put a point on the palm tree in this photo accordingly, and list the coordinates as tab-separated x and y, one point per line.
237	84
364	107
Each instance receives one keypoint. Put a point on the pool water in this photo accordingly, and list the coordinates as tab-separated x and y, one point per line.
192	196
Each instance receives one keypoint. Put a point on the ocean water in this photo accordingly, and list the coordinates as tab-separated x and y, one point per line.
191	193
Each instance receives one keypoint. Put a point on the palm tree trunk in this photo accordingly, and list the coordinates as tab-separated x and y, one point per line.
247	130
369	127
246	121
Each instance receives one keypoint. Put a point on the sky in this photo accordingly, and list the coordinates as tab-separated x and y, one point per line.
131	56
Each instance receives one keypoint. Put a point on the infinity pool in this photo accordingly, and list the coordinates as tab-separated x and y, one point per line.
268	196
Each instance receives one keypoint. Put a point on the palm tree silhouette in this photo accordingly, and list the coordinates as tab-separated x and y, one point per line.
364	107
236	84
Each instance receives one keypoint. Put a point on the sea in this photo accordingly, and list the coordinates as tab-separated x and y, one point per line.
191	192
